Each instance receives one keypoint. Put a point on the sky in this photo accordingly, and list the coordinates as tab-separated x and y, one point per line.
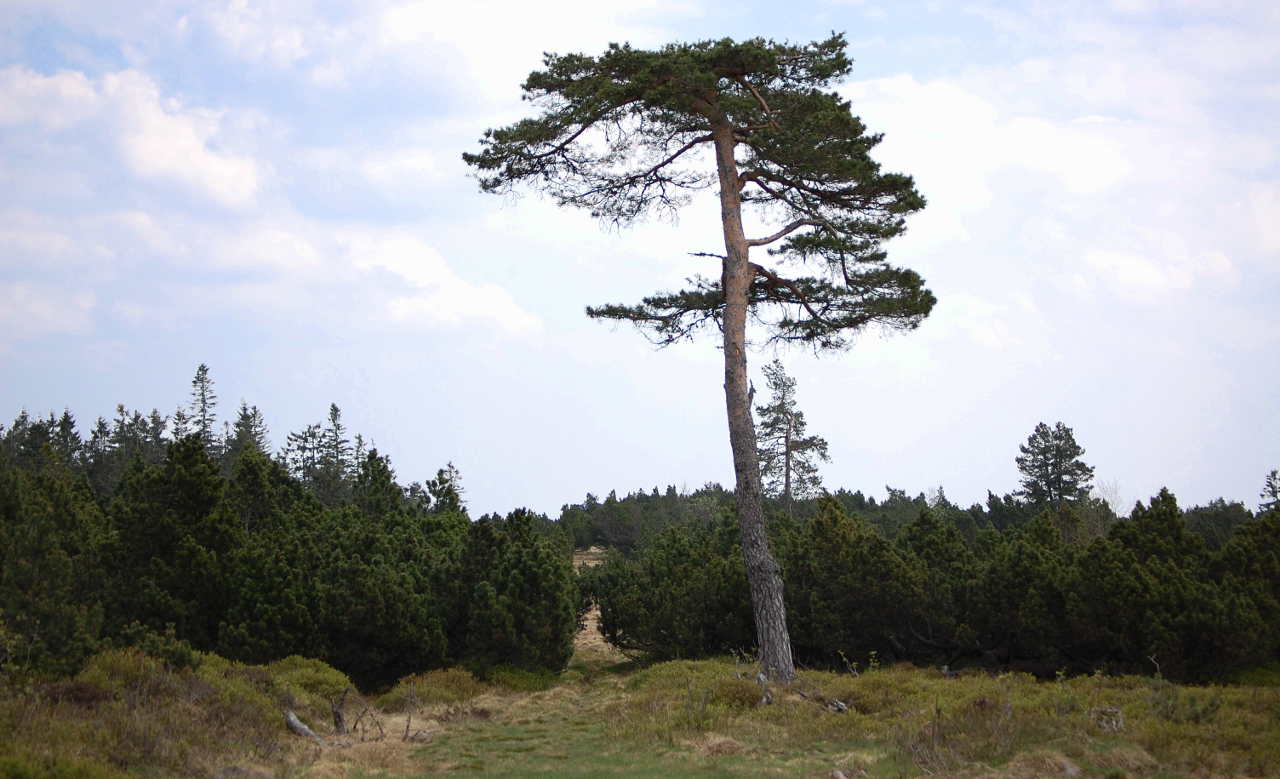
275	189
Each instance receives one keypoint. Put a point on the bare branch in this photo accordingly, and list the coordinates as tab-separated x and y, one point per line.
777	281
624	181
753	177
788	230
842	197
773	123
680	151
587	125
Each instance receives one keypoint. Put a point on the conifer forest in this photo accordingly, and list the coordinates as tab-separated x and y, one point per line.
170	530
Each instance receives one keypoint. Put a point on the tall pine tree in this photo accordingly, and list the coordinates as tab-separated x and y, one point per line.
788	467
1052	471
622	136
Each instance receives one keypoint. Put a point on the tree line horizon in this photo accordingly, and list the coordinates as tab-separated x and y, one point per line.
208	543
320	453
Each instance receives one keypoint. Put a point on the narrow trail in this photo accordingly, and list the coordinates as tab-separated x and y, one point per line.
398	755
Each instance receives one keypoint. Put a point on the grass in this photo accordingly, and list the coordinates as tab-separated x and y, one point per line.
128	714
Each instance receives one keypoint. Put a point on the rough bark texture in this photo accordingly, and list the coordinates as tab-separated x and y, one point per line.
786	475
763	574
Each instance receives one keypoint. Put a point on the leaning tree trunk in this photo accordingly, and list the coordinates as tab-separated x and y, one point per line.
763	573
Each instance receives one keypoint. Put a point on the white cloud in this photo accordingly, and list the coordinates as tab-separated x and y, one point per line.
1135	274
160	139
1145	279
148	231
1264	205
452	47
395	168
30	310
1132	6
400	173
1081	154
989	325
256	33
266	247
437	295
17	242
30	240
156	137
955	140
55	102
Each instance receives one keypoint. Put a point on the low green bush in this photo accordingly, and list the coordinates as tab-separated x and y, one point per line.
520	680
445	685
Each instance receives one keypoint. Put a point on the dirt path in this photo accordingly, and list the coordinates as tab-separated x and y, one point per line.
394	754
589	646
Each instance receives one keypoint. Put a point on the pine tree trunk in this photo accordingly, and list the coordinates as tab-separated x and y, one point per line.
786	478
763	573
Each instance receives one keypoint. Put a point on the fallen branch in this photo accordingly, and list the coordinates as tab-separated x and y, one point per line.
300	728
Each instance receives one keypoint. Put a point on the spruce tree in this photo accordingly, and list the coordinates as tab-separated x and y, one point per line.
334	466
375	491
204	406
301	454
1052	471
621	135
154	437
1270	493
181	424
99	461
249	432
787	456
66	440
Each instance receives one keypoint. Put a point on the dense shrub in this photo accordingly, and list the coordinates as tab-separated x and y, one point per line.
683	595
522	609
1045	594
849	592
250	564
50	536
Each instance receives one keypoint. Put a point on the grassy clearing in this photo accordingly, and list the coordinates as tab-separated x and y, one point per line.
128	714
705	719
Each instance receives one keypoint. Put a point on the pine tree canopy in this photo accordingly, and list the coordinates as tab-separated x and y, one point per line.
1051	468
620	136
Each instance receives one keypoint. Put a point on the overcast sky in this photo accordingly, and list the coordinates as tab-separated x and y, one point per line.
276	189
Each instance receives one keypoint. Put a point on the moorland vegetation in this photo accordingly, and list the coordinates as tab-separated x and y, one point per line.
160	589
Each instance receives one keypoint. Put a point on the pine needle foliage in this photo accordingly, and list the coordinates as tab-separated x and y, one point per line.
618	135
1052	471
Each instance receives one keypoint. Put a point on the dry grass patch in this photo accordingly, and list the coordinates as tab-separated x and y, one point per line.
716	745
128	714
